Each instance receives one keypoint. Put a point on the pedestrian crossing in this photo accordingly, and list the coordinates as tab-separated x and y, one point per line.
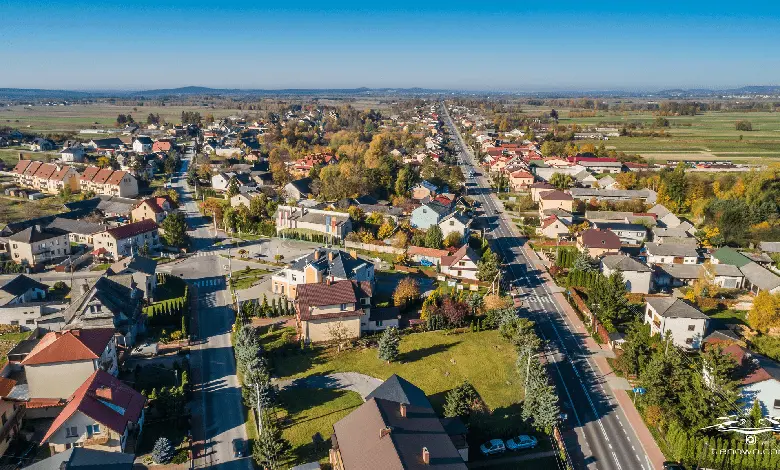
204	253
213	282
538	300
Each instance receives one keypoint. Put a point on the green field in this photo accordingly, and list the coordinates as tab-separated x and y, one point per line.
709	135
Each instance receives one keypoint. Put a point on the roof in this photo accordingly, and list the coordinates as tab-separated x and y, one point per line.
334	293
400	390
133	264
464	251
82	458
438	207
132	229
90	400
671	249
6	385
770	247
541	185
21	284
303	185
114	294
595	238
77	226
621	226
361	445
144	139
760	276
69	345
428	252
36	233
556	195
728	255
336	263
647	194
671	307
385	313
660	210
624	264
754	367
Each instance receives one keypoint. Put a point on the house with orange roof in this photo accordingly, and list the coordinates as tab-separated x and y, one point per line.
462	264
109	182
11	411
46	177
63	360
162	146
102	414
520	180
153	208
553	227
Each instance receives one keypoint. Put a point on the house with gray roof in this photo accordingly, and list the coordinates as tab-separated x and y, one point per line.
769	247
585	194
677	275
629	234
685	323
636	274
428	214
81	458
758	279
321	265
333	225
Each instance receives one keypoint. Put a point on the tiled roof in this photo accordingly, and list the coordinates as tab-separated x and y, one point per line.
672	307
21	165
624	264
429	252
34	234
335	293
671	249
132	229
70	345
116	177
45	171
556	196
102	175
89	173
92	399
595	238
464	251
6	385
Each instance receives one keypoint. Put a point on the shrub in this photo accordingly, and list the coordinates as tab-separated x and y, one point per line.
163	451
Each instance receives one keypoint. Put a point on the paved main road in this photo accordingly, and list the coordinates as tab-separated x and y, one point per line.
603	438
218	414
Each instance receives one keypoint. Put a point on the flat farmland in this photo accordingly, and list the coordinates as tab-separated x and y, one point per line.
103	116
710	135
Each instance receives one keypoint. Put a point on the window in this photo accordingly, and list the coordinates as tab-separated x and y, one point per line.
343	307
425	211
452	223
461	263
71	431
689	341
93	429
14	322
29	322
379	323
777	404
691	327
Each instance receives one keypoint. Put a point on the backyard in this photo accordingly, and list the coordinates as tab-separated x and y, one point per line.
435	361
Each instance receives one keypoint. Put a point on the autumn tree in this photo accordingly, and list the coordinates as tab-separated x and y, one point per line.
561	180
339	334
487	266
434	237
454	311
406	292
627	180
765	313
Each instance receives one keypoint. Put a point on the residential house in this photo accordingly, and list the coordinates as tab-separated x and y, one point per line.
428	214
63	360
424	191
555	200
671	253
636	274
80	458
154	208
335	225
462	264
769	247
586	179
102	414
143	271
142	144
107	145
45	177
554	227
673	235
455	222
73	153
397	428
685	323
597	242
221	181
244	198
520	180
665	217
380	319
123	240
601	166
303	166
40	144
608	182
79	230
320	266
758	279
677	275
23	302
109	182
38	246
538	188
421	254
12	412
164	146
298	189
759	379
629	234
648	196
320	307
108	302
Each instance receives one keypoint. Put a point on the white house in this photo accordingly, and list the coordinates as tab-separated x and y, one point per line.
455	222
630	234
73	154
671	253
553	227
142	144
685	323
636	274
462	264
221	181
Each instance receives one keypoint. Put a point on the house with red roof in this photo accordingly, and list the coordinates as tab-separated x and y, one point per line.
153	208
321	307
162	146
102	414
12	412
462	264
62	360
121	241
304	165
553	227
520	180
46	177
109	182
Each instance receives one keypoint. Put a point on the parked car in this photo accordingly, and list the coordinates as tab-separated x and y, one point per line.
521	442
494	446
673	466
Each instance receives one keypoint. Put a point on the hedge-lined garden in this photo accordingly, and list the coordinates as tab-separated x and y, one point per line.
170	317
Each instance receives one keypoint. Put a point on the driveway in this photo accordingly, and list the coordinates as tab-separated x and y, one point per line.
353	381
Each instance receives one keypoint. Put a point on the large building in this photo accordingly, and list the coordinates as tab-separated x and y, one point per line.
121	241
46	177
320	266
38	246
322	308
335	225
109	182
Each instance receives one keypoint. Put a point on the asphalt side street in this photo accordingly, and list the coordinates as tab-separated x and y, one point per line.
602	436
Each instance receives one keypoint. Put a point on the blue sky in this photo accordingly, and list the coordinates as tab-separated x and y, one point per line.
526	46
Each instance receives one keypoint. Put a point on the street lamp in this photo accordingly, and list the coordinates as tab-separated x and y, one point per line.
528	369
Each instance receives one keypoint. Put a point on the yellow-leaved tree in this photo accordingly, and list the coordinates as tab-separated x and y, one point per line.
765	313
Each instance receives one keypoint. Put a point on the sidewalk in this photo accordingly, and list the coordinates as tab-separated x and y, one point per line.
636	422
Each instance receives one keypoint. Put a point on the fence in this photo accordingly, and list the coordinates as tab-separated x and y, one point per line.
375	248
591	319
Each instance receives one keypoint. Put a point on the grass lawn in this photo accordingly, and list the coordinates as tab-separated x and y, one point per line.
15	209
247	277
767	345
8	341
171	288
100	267
731	317
308	412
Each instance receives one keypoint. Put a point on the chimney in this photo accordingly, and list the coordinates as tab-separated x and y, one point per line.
316	255
76	332
426	456
330	256
353	253
403	410
385	431
104	393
